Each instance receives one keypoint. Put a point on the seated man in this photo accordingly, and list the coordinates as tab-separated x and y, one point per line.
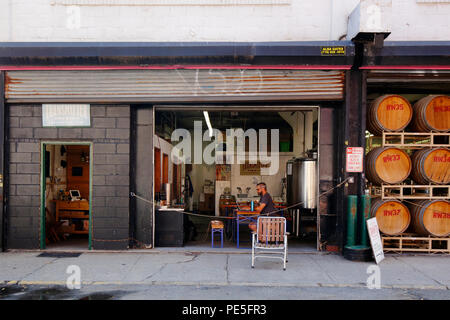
266	206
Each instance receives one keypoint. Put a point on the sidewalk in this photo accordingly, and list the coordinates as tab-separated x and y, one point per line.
154	267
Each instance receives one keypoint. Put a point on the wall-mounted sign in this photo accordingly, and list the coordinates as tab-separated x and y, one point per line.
223	172
66	115
355	157
332	51
375	239
252	169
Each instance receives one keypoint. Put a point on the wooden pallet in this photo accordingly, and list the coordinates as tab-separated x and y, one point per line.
408	191
413	140
413	243
374	191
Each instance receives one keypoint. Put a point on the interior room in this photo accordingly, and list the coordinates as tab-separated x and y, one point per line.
67	185
209	190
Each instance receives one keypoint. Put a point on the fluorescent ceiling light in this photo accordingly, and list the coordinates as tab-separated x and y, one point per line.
208	123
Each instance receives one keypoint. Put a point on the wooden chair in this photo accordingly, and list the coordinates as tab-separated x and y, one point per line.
270	236
52	227
217	226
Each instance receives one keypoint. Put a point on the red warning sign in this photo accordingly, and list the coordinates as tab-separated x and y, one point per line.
355	156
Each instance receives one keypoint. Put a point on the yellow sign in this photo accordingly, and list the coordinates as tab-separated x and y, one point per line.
332	51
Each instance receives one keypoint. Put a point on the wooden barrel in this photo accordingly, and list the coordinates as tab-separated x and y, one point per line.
431	166
432	113
387	165
430	217
393	217
388	113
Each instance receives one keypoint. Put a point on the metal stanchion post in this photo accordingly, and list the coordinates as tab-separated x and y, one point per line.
351	250
352	209
365	214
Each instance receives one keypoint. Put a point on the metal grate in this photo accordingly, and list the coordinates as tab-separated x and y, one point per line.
59	255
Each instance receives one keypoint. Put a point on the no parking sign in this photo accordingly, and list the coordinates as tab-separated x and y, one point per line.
354	161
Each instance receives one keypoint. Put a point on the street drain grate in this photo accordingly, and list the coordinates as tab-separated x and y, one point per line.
59	255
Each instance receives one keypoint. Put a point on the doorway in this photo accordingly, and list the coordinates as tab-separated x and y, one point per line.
213	189
66	195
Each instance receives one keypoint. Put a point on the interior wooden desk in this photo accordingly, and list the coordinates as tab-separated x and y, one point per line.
72	209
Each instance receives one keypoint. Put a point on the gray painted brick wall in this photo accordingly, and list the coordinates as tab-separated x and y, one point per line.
110	134
143	175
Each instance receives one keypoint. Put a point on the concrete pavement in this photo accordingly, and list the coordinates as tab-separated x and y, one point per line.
313	270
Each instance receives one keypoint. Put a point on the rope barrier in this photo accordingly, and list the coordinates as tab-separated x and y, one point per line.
410	202
221	217
418	205
132	194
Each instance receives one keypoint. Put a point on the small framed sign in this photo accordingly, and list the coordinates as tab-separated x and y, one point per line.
66	115
355	156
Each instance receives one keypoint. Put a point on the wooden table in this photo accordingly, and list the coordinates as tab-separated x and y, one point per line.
241	215
72	209
229	226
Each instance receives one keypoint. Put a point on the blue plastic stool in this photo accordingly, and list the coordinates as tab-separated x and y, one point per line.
216	227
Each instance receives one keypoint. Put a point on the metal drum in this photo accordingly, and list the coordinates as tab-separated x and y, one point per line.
301	179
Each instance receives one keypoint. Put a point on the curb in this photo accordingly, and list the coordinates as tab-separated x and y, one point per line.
223	284
154	251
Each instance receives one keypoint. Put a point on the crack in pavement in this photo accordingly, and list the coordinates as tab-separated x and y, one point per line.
41	267
154	273
414	296
323	270
227	268
132	267
417	270
193	258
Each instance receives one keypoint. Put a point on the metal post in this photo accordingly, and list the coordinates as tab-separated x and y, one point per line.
2	162
364	214
352	205
362	133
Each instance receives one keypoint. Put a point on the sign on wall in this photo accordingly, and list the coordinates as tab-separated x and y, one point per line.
252	169
332	51
355	157
223	172
66	115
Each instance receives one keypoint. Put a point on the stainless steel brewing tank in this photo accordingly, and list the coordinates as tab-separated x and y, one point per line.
301	180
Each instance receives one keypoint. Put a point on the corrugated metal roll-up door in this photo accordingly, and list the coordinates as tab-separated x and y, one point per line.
173	85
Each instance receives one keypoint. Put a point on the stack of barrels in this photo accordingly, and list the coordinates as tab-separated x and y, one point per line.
390	165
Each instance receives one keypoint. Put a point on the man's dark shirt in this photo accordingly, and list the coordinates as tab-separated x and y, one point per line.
267	199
